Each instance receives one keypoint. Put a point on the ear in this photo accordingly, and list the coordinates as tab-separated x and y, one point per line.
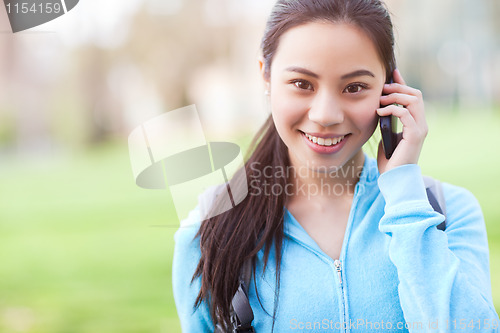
262	69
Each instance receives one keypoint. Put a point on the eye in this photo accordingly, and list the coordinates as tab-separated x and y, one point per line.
302	84
355	88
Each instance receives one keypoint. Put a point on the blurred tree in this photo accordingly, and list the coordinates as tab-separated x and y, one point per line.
92	92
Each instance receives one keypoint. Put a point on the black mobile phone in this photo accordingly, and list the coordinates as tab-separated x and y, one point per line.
388	129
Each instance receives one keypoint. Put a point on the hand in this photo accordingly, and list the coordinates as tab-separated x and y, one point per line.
411	113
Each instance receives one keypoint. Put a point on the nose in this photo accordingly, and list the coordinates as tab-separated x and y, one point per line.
326	110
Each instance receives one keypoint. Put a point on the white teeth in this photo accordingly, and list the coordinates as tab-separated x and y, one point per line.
324	142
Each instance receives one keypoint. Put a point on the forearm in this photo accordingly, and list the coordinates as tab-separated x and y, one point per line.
444	276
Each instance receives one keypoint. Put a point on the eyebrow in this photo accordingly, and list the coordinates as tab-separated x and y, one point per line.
303	71
360	72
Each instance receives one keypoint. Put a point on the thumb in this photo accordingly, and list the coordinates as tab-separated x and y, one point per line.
382	161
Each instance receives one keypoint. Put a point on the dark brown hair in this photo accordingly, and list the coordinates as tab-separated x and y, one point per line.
228	239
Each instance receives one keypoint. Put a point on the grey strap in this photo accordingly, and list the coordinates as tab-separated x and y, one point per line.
241	311
436	198
246	272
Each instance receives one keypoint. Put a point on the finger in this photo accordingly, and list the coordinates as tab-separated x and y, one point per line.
398	78
402	113
413	103
399	88
402	99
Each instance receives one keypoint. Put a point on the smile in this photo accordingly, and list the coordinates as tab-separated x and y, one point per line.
325	142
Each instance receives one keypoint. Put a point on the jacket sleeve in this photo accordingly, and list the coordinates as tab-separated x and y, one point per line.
444	279
186	257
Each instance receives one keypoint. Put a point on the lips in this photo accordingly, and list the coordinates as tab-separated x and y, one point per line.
328	144
325	141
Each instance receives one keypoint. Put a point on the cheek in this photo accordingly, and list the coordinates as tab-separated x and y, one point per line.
285	108
364	113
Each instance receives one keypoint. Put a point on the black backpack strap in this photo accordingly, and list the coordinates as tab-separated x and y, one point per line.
436	198
241	311
241	314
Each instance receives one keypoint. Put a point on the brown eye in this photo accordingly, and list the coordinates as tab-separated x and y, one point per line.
302	84
354	88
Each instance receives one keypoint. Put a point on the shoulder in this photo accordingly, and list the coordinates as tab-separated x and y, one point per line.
462	207
405	184
466	233
185	236
187	241
454	193
187	255
187	245
191	224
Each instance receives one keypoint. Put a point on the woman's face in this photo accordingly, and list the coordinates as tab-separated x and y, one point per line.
325	86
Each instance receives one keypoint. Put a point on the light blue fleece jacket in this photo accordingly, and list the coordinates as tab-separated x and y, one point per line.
396	272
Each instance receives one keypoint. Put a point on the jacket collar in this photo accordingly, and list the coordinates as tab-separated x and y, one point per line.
292	227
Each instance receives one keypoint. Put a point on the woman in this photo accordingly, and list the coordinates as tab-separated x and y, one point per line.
338	240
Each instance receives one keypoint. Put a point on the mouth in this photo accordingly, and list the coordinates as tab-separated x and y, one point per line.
324	141
326	144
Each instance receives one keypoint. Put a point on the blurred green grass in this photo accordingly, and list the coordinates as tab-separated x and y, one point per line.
81	247
84	250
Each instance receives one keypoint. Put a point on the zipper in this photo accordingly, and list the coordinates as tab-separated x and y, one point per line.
338	262
338	267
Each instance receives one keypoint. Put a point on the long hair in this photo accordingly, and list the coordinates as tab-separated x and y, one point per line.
229	239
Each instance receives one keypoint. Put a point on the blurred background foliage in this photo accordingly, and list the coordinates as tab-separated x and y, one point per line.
85	250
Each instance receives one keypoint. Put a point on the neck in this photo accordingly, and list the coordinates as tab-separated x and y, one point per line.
322	185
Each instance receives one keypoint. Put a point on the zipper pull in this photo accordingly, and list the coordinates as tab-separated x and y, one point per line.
338	266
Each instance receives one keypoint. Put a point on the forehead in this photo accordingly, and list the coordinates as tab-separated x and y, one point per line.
332	48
